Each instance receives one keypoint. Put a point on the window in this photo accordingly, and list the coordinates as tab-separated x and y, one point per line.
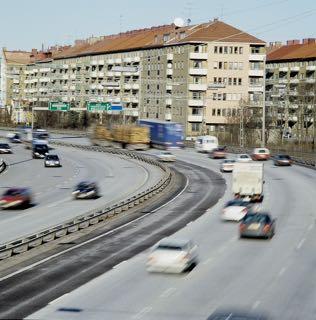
166	37
182	35
235	81
197	64
157	101
235	65
215	79
220	65
225	50
215	64
158	87
230	50
235	50
224	96
239	81
240	50
224	112
225	65
158	72
195	126
218	112
220	49
148	73
229	81
215	49
230	65
240	65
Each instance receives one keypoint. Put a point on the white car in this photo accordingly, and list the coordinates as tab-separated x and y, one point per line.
244	157
166	156
227	165
235	210
172	255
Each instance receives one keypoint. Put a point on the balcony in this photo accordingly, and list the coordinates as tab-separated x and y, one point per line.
255	88
195	118
198	72
257	57
310	68
135	86
111	84
65	66
169	72
168	116
127	59
196	103
293	106
169	56
293	118
283	80
269	69
168	102
110	61
127	86
65	77
293	93
118	60
295	81
44	69
72	77
269	103
256	73
44	80
169	87
198	55
135	59
283	69
197	86
16	81
310	80
72	88
294	69
100	74
94	62
131	112
93	74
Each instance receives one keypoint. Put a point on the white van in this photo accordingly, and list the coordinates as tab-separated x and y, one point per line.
206	143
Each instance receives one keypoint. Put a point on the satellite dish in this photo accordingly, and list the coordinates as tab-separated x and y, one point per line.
178	22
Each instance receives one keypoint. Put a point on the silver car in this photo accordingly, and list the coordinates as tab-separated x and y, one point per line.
172	255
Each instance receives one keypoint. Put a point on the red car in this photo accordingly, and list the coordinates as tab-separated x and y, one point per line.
16	197
260	154
218	153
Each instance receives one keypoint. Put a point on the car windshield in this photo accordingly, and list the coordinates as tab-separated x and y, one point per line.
256	218
262	151
284	157
244	156
83	185
52	157
4	145
12	192
166	153
236	203
41	147
229	161
170	247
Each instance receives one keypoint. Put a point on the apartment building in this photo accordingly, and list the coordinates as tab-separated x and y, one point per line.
291	88
195	75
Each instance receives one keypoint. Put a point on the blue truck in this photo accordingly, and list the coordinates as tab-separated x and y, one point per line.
164	134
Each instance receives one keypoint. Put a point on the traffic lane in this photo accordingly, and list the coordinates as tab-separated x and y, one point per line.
96	257
232	272
70	138
117	177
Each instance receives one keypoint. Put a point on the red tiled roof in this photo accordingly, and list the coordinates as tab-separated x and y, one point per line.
153	37
17	57
293	52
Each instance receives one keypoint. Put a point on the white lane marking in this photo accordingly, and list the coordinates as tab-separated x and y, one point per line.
59	298
311	226
75	247
167	293
142	312
282	271
174	198
256	304
300	244
207	261
54	204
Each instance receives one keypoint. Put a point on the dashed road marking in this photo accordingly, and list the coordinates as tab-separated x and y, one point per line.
167	293
300	244
142	312
256	304
282	271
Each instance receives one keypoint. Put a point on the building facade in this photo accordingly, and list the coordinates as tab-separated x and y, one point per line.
291	89
196	75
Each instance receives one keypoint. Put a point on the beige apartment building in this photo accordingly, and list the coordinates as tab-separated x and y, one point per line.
291	88
195	75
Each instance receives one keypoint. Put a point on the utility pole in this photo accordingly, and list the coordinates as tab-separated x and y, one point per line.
263	141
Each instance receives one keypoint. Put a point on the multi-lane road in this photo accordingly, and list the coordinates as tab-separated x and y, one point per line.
273	277
117	177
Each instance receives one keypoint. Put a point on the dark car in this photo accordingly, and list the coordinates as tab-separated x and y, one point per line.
238	315
52	160
86	190
14	137
16	197
257	225
218	153
282	160
5	148
39	150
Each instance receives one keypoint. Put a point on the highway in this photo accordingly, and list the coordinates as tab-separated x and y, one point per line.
274	277
118	179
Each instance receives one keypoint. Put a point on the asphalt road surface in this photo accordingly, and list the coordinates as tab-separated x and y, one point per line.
117	177
274	277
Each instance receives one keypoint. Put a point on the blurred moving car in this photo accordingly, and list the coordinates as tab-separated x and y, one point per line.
16	197
86	190
39	149
172	255
282	160
5	148
235	210
52	160
218	153
243	158
257	225
227	165
14	137
260	154
166	156
237	315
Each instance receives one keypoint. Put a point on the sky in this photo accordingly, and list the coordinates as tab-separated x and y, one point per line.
27	24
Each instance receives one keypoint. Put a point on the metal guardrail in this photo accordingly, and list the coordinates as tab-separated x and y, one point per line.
91	217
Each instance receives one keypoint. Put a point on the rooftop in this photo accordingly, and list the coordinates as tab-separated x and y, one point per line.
294	50
17	57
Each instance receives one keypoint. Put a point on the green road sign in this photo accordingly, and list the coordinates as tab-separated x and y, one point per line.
59	106
98	106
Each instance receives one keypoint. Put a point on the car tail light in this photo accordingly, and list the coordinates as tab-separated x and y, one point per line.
266	228
242	227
